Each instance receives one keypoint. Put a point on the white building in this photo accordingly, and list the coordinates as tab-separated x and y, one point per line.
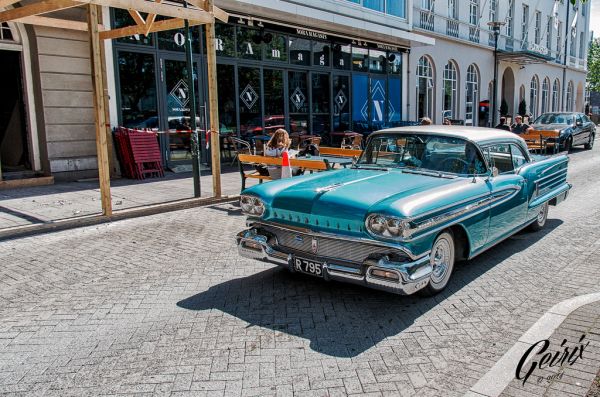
311	66
542	58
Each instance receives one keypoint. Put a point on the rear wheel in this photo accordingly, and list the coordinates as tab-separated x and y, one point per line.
442	261
590	144
540	220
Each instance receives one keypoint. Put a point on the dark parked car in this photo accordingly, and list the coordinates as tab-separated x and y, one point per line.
575	128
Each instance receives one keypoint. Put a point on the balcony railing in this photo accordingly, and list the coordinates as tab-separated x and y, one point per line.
427	18
474	34
452	27
462	30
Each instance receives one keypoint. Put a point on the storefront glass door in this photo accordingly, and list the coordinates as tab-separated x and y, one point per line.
177	122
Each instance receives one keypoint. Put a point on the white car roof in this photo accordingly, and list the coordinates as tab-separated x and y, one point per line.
474	134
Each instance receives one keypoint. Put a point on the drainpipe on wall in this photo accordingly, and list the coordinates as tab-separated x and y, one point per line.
564	85
407	84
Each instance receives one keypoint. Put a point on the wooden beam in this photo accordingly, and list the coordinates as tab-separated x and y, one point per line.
135	14
56	23
159	26
36	9
149	7
6	3
213	103
150	21
99	110
220	14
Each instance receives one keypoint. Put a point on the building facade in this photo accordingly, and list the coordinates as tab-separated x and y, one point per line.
541	59
312	66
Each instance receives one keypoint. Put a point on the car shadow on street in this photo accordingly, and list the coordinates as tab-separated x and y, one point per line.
340	320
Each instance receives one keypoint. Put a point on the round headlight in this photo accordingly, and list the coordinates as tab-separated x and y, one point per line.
247	203
258	207
377	224
395	227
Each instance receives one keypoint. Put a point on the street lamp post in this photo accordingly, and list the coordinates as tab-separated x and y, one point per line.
495	25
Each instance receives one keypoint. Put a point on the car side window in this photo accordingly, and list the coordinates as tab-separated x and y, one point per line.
499	156
579	119
518	157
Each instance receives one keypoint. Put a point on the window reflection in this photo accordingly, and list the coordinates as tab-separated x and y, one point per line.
138	90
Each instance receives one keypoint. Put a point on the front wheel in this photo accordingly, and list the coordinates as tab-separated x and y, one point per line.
442	262
590	144
540	220
568	144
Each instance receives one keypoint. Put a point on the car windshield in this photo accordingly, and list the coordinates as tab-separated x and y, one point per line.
439	154
556	118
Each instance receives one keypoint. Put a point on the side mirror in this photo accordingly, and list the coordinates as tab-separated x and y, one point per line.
579	124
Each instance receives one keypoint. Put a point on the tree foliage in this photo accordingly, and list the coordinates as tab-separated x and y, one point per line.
523	108
593	75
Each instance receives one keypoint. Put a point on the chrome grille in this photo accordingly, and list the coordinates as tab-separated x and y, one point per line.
345	250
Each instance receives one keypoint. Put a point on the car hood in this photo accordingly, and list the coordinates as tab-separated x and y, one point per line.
342	199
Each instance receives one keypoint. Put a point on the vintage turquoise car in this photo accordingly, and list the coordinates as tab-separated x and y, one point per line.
416	201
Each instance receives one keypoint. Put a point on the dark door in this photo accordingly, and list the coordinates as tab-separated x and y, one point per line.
580	135
14	151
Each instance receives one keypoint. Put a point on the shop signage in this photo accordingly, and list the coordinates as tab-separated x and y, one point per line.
180	93
298	98
379	101
340	101
537	48
249	96
311	33
179	39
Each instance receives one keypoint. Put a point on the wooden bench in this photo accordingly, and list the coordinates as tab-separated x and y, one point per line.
538	140
334	151
307	165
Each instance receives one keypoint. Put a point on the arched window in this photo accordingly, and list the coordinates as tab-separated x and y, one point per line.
472	95
555	95
545	95
533	97
5	32
424	88
569	104
449	108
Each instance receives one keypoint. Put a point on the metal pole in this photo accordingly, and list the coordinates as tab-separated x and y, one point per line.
194	142
496	34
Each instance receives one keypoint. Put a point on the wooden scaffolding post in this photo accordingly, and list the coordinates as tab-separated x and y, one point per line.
99	109
213	104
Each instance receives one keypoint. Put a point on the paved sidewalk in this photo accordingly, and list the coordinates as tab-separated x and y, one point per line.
565	380
44	204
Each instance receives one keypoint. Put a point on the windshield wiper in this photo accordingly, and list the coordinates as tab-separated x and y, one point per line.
421	171
372	167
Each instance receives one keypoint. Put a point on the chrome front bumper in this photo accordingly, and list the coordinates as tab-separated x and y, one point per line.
409	276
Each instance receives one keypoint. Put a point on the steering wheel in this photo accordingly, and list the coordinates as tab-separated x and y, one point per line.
454	159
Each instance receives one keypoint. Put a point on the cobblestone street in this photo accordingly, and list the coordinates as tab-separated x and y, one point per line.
163	305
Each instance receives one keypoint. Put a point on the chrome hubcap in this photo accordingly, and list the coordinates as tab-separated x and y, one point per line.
440	261
541	218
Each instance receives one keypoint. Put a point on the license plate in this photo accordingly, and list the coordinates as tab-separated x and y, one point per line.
308	266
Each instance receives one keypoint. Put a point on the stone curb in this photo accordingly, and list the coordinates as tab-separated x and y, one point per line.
40	228
503	372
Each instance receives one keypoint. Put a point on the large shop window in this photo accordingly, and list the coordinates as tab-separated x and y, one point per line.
298	102
320	104
138	90
274	102
341	103
227	99
249	101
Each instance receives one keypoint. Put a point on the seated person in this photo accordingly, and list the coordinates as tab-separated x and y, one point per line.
279	143
519	127
502	125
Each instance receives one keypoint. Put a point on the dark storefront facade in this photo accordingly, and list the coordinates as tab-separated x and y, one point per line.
269	76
